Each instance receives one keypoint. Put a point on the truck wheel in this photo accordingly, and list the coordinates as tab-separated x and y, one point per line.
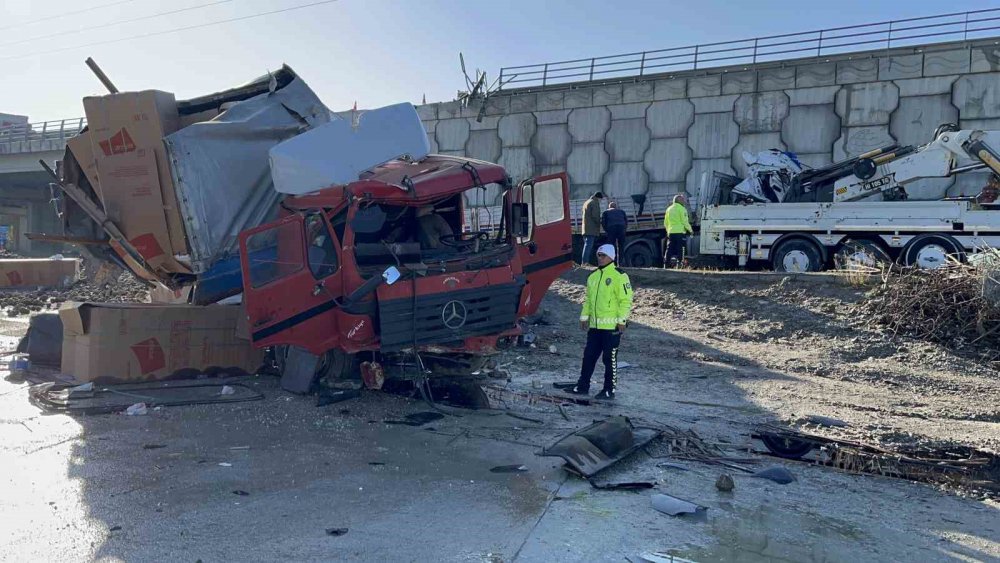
860	254
796	256
639	255
932	251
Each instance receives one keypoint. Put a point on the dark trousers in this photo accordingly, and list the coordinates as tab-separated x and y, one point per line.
616	237
600	343
675	249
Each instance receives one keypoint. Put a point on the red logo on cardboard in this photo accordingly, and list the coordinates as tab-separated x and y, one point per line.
147	246
14	278
119	143
150	355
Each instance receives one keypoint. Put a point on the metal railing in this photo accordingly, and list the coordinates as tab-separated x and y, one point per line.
836	40
40	136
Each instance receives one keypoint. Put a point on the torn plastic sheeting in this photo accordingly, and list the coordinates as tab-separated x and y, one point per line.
600	445
220	167
339	151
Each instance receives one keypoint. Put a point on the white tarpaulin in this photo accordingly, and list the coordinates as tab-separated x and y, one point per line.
339	151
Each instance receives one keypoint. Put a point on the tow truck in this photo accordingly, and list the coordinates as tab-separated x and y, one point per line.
343	276
856	211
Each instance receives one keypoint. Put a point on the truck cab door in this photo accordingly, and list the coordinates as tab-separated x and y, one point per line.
547	251
292	282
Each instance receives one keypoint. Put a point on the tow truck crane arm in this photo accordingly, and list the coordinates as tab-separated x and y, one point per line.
952	152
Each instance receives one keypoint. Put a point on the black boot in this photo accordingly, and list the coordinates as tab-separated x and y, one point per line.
605	395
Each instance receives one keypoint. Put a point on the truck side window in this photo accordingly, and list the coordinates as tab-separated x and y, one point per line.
321	252
545	203
274	253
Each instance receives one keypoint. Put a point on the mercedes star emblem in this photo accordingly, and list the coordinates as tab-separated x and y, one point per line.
454	314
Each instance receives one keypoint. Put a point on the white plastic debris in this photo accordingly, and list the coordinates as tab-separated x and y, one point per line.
553	349
227	390
136	409
224	464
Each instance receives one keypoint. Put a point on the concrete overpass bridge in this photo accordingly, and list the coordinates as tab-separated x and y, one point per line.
25	205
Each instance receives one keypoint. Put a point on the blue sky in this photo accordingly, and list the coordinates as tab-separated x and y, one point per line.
375	51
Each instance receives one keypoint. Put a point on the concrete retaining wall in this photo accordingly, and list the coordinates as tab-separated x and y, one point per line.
662	135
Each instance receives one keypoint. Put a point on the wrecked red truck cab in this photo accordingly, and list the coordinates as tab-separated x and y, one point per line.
392	270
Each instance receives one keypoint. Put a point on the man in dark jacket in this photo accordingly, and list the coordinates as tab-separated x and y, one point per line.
615	223
591	225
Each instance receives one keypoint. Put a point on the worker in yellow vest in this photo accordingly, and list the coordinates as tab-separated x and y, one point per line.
678	227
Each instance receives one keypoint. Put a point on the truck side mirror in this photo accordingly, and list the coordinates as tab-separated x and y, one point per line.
519	217
391	275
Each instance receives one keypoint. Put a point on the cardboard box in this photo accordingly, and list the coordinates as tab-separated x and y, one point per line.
35	272
108	342
84	153
131	194
121	124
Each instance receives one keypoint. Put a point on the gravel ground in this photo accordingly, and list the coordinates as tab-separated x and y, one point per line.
712	353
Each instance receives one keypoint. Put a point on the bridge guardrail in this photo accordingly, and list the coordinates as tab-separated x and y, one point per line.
940	28
39	136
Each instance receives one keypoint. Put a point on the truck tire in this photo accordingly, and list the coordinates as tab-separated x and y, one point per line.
932	251
639	255
796	256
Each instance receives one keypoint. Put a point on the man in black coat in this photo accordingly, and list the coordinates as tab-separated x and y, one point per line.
615	223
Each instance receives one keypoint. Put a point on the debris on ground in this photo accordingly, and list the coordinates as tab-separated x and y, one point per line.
60	397
509	469
417	418
674	506
125	289
776	473
623	486
336	531
947	464
596	447
725	483
137	409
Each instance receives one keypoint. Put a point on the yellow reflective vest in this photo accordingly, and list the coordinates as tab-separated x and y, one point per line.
675	220
609	298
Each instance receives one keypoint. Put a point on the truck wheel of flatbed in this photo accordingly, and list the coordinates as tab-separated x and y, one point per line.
932	251
796	256
639	255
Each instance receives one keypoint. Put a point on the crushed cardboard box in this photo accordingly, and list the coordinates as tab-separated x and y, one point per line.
109	342
38	272
126	132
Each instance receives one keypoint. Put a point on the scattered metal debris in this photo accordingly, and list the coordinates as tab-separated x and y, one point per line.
509	469
598	446
417	418
241	493
956	465
674	506
61	397
623	486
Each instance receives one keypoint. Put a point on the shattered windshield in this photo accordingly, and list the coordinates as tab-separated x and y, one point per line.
435	233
